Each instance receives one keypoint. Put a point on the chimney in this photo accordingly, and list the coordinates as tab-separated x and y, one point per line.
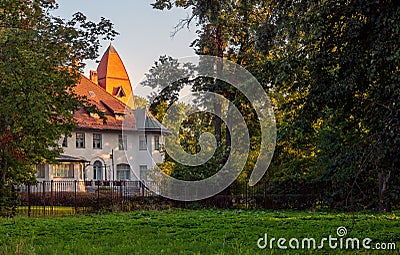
94	77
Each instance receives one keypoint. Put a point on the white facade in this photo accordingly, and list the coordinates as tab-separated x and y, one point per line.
145	157
110	160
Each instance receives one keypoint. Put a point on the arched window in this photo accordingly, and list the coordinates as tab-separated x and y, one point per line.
97	170
123	172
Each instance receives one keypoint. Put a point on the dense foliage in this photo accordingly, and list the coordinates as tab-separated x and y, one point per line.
41	58
332	71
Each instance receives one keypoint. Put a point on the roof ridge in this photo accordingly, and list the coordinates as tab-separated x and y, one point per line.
112	49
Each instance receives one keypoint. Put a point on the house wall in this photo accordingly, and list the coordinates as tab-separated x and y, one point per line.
110	143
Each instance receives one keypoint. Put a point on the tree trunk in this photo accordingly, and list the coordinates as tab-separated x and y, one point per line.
218	85
383	180
217	123
228	124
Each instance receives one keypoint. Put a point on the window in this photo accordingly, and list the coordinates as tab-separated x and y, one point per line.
142	142
80	140
41	171
143	173
120	92
119	116
123	172
157	142
65	141
122	142
97	170
97	141
63	171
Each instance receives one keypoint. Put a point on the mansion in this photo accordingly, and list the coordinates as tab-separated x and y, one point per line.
125	147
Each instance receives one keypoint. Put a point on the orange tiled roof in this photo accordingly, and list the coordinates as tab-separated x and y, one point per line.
112	108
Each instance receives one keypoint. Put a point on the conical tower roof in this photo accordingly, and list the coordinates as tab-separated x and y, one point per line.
113	77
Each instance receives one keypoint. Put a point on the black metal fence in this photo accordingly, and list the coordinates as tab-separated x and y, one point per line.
49	198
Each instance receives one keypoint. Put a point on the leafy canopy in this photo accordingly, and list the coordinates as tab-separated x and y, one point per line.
41	57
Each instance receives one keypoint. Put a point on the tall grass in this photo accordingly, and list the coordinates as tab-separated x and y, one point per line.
189	232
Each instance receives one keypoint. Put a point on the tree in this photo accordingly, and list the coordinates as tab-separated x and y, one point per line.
141	102
337	65
190	130
208	15
227	29
41	58
167	77
332	71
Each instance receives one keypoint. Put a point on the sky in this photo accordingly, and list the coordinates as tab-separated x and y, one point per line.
144	33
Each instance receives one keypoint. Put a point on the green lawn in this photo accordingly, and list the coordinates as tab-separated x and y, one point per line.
48	210
191	232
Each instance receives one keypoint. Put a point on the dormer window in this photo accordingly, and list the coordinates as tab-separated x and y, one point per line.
65	141
94	115
119	116
157	143
119	92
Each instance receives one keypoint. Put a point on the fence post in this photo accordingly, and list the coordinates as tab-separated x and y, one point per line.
142	188
52	197
112	194
303	195
98	195
75	191
44	197
121	195
29	200
265	194
246	195
284	195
